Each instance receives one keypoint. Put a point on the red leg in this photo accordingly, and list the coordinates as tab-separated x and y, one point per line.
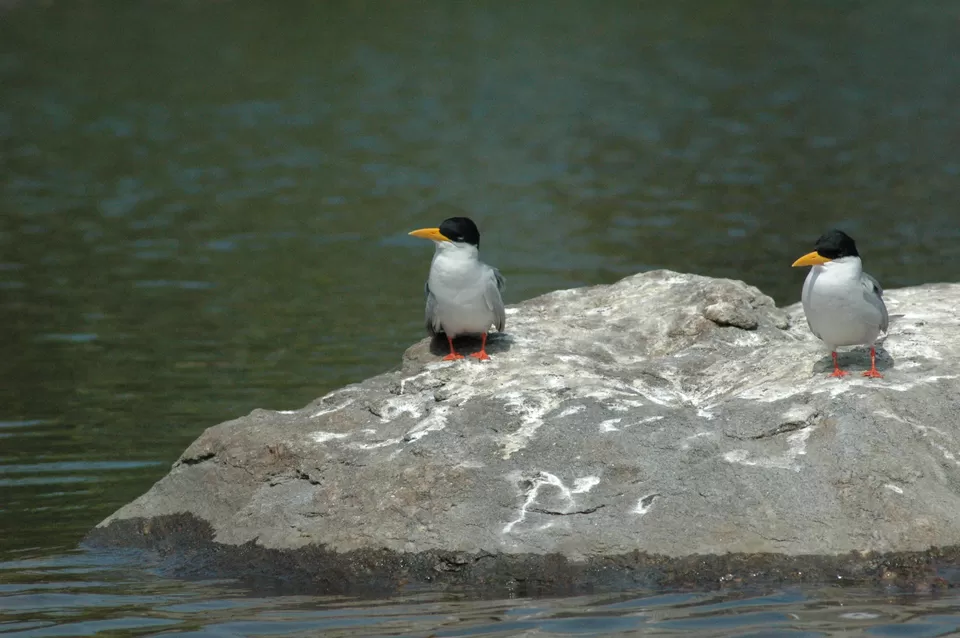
873	372
837	372
482	355
453	356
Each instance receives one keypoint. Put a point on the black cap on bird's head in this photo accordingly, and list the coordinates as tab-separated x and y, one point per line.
834	244
461	229
455	229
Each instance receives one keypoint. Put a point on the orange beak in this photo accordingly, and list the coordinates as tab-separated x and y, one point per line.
810	259
429	233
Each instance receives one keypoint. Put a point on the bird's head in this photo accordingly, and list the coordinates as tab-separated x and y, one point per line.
834	245
456	233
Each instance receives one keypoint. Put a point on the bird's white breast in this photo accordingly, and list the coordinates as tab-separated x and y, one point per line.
836	307
458	281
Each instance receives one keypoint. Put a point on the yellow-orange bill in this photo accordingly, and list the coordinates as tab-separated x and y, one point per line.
429	233
811	259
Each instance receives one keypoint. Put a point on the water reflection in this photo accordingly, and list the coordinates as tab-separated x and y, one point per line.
84	593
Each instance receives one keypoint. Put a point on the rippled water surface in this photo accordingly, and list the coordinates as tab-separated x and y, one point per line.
87	593
204	208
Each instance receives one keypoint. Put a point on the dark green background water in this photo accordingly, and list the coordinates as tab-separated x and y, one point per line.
204	204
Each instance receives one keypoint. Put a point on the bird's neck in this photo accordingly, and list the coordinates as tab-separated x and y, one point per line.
454	256
845	267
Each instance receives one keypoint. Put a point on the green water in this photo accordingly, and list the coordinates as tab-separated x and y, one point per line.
204	204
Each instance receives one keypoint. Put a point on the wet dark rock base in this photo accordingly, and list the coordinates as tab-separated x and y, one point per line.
186	549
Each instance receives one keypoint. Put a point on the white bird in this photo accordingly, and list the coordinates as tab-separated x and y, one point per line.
844	305
463	293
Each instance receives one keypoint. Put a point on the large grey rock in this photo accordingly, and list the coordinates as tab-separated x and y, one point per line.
670	414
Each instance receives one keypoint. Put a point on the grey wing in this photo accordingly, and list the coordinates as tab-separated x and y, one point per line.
491	294
871	281
874	294
805	300
430	315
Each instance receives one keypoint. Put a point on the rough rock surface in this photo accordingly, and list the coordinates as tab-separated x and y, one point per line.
669	414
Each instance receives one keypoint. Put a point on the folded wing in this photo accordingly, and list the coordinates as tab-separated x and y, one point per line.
491	294
430	315
873	293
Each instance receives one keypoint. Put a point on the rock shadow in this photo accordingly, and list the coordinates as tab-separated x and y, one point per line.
497	342
856	361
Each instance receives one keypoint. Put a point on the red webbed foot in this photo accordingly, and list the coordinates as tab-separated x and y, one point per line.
837	372
453	356
482	355
873	373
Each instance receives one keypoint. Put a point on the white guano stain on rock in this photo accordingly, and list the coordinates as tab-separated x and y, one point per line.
332	409
819	383
649	419
531	411
411	379
540	480
396	407
675	395
645	504
436	421
610	425
531	496
797	446
798	414
585	484
625	405
573	409
376	444
323	437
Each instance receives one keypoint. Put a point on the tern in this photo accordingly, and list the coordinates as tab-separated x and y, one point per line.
463	293
844	305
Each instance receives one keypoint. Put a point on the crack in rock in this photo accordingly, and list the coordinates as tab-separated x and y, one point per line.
303	476
589	510
531	489
795	419
783	428
195	460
